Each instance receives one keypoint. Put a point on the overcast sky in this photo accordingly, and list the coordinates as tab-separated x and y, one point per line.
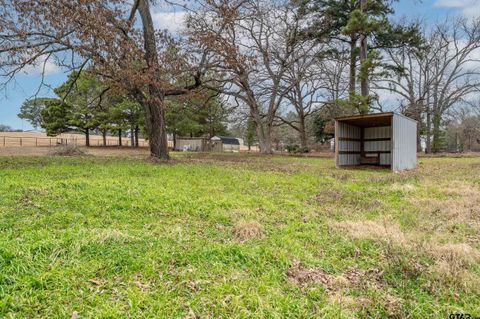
27	84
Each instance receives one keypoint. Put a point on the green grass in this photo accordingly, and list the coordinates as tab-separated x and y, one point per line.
122	237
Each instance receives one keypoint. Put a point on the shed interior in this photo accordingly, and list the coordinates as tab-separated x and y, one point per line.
364	140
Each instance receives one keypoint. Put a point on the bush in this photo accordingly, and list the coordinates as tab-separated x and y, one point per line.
293	148
296	149
67	150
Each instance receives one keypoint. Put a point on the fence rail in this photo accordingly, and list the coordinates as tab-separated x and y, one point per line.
30	141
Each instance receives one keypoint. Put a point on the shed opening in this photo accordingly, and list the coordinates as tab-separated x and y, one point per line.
382	139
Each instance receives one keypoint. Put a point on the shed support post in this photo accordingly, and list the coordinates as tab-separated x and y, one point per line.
337	143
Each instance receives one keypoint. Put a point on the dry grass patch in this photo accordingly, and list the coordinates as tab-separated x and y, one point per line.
66	150
452	265
110	235
244	231
460	207
374	230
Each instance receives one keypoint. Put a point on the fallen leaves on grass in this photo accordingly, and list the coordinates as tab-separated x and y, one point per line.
353	277
302	276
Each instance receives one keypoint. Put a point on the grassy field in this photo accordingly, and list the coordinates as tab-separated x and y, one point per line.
237	236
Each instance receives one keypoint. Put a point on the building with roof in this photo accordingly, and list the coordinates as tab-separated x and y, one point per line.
381	139
230	144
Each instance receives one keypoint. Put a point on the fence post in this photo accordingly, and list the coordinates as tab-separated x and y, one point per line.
21	143
36	142
4	143
50	142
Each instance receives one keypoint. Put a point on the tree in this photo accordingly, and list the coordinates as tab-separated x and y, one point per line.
127	114
319	124
81	92
56	117
31	110
438	78
354	21
200	115
104	36
6	128
304	81
252	51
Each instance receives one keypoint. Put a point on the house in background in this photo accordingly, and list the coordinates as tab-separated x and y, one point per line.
230	144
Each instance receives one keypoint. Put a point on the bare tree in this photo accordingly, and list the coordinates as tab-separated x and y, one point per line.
253	53
444	75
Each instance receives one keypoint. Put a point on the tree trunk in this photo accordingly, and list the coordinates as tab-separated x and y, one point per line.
132	136
428	144
353	68
154	105
104	136
303	134
87	137
136	136
437	138
174	140
264	140
363	55
120	137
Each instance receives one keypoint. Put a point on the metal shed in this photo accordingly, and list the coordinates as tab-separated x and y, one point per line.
381	139
230	144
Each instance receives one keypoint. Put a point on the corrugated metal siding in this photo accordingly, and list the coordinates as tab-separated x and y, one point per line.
377	146
404	143
348	131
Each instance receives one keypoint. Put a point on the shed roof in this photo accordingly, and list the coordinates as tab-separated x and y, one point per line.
368	120
227	140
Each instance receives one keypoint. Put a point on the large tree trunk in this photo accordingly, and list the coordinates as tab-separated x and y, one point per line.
156	129
154	107
303	135
263	134
87	137
119	137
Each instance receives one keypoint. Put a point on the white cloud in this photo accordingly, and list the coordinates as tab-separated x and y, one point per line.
469	8
172	21
42	66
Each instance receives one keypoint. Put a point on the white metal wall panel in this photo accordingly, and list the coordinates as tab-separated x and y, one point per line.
349	131
404	155
379	146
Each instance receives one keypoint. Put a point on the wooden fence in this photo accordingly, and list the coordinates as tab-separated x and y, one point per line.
29	141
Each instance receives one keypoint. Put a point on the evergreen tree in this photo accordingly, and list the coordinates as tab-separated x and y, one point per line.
358	22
